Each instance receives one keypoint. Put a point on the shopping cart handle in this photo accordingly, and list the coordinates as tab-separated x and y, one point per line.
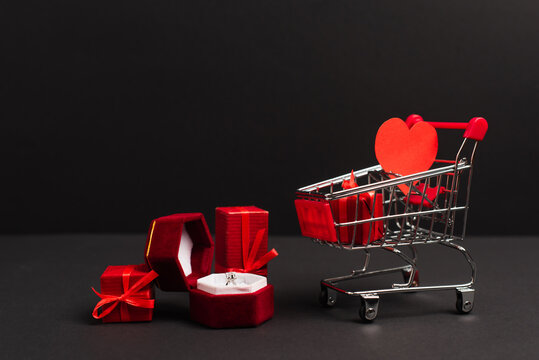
475	129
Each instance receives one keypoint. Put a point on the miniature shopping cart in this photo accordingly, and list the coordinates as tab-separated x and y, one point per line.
394	212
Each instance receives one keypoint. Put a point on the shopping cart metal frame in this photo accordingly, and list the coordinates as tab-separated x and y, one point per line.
406	223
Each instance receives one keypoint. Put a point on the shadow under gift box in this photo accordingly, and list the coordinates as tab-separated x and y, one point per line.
180	249
112	284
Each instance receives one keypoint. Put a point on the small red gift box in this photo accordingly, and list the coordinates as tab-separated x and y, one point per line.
231	311
180	249
241	240
344	210
126	294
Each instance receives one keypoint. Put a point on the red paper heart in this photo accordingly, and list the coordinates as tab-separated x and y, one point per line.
406	151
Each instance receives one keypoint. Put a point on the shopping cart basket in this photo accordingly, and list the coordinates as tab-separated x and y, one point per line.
392	212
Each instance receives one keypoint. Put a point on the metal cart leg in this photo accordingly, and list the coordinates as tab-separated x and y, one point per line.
409	271
468	258
407	274
465	292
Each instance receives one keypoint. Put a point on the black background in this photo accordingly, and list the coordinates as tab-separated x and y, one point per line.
117	112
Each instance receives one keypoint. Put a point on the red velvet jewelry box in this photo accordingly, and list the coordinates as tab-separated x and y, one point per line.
169	253
235	227
121	280
231	311
180	249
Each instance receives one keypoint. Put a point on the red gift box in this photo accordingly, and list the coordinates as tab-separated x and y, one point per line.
180	249
231	311
126	294
241	240
344	210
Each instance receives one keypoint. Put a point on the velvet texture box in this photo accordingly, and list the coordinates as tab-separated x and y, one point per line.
241	239
231	311
180	249
126	294
344	210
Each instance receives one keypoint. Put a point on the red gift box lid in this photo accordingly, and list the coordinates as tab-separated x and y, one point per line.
233	210
115	272
180	249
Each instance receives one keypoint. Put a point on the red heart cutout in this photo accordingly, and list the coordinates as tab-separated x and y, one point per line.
406	151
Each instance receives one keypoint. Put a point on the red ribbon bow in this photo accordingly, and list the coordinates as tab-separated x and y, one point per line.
130	296
249	255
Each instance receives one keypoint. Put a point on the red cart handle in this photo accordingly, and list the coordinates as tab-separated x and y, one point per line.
475	129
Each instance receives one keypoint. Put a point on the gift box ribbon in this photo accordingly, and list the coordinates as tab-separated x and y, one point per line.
343	205
249	254
129	296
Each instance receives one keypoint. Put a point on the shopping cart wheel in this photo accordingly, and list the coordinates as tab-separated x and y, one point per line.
406	275
327	297
465	297
369	307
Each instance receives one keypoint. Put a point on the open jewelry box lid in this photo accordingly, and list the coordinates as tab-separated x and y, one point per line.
180	249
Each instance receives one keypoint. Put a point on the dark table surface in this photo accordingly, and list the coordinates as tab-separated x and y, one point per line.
47	302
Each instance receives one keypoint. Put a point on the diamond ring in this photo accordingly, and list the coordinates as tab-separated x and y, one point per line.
230	278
